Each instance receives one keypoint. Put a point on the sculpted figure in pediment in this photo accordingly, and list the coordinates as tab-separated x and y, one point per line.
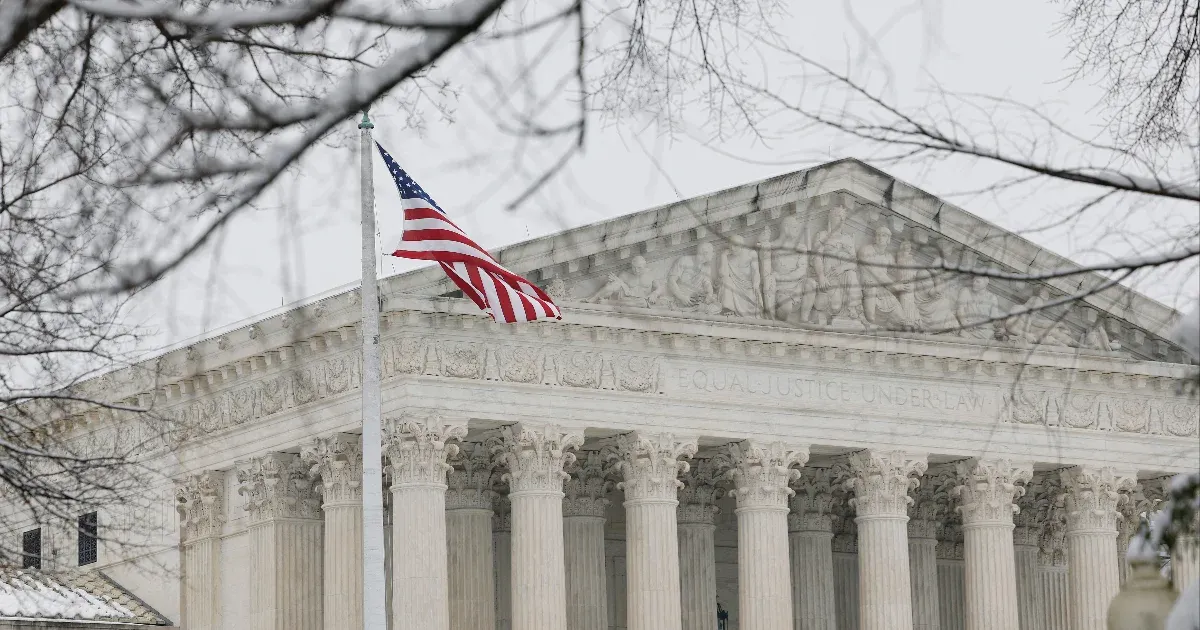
690	285
838	289
740	280
635	287
934	299
883	292
789	292
976	304
1035	327
1097	338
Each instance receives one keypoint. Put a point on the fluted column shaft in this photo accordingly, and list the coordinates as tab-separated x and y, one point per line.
502	537
201	583
338	460
650	467
988	491
1185	561
761	473
810	546
535	456
1030	602
471	583
1093	578
583	540
587	586
881	481
698	575
417	451
922	563
200	500
285	543
812	580
697	551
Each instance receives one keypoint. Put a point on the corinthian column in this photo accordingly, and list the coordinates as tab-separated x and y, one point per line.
929	506
417	450
285	543
583	542
200	500
880	481
987	493
502	537
1138	500
810	546
471	584
761	473
535	456
1027	536
1091	499
697	553
338	461
650	467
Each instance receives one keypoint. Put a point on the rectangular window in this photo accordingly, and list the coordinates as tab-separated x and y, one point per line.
87	539
31	549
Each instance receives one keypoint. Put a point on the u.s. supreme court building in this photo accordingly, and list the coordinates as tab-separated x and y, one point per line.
759	412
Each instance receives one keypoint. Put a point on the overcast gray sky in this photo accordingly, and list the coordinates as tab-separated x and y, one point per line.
306	238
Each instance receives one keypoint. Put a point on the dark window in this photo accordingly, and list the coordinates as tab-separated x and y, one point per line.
87	538
31	549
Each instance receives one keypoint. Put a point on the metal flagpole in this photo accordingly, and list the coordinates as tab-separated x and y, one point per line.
374	604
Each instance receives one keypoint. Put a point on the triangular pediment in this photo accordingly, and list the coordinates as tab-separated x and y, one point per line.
802	250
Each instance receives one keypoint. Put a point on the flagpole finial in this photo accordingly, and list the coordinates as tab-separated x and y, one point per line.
366	123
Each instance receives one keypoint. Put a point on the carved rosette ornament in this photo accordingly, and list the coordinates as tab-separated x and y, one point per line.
200	501
586	487
469	482
988	490
761	473
1091	497
650	466
931	502
277	485
881	480
535	456
698	497
338	461
812	505
417	449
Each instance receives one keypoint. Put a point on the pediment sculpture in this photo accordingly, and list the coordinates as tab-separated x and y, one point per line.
843	277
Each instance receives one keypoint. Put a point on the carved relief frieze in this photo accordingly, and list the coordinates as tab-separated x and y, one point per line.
1122	413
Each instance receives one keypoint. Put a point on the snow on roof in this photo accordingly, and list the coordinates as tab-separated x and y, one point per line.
70	595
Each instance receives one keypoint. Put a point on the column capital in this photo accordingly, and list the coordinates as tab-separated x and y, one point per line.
931	502
1143	497
276	485
469	482
812	505
650	464
417	449
1091	496
988	489
881	480
701	488
1030	516
761	471
200	501
535	455
1052	515
587	487
338	460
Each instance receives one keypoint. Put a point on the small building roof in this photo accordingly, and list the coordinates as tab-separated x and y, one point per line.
71	595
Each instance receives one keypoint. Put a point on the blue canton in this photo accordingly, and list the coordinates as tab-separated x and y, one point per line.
408	188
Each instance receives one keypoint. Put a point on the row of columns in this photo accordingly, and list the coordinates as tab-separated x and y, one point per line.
447	537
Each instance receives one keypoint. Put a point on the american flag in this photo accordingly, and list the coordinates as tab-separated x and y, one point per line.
430	235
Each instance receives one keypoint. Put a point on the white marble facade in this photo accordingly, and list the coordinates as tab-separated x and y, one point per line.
745	420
